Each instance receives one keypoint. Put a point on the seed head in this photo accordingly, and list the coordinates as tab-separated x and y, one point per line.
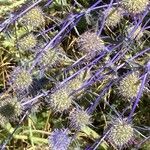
90	44
34	18
137	34
114	17
134	6
10	108
28	42
21	79
79	119
60	100
59	139
121	133
129	86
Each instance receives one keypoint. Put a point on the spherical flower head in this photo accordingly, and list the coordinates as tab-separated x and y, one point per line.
129	86
21	79
121	133
60	100
59	139
137	34
114	17
54	57
34	18
90	44
77	81
79	118
10	108
134	6
28	42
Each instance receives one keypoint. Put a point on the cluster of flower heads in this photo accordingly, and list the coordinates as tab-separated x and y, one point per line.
62	96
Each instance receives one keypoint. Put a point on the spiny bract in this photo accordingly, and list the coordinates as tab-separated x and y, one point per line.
134	6
114	17
59	139
28	42
60	100
21	79
90	44
34	18
121	132
137	34
79	118
129	86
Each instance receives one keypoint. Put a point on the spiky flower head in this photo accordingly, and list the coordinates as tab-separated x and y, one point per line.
137	34
34	18
134	6
28	42
10	108
114	17
121	132
77	81
59	139
21	79
54	57
129	86
60	100
79	118
90	44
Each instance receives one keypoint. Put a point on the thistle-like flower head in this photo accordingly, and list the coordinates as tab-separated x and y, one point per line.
34	18
137	34
10	108
59	139
129	86
21	79
134	6
79	118
121	132
60	100
77	81
54	57
90	44
28	42
114	17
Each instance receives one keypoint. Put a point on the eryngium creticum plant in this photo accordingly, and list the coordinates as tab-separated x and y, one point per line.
73	66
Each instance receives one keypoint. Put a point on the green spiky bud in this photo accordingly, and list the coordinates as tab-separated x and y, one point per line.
90	44
137	34
10	108
60	100
34	18
21	79
28	42
134	6
121	133
129	86
114	17
79	118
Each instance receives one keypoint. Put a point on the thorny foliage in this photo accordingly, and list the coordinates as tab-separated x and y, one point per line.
75	74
